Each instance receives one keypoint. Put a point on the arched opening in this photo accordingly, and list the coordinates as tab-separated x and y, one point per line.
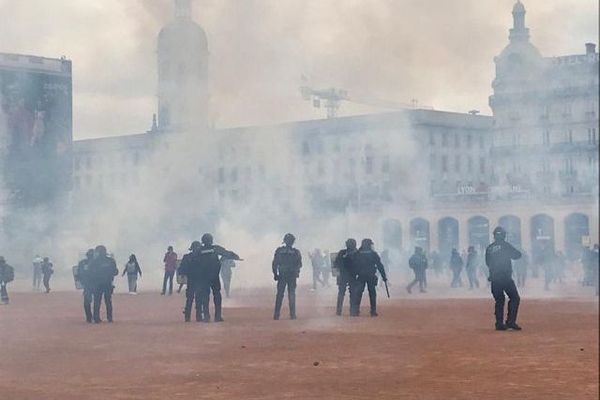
479	233
542	239
448	236
392	234
419	233
577	226
512	225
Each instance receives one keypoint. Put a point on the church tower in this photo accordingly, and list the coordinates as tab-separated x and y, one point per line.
182	73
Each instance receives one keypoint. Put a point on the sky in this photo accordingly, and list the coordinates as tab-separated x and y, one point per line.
437	51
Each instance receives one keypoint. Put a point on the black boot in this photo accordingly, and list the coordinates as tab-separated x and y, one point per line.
513	326
500	326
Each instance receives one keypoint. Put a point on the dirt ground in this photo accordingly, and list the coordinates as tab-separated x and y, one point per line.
416	349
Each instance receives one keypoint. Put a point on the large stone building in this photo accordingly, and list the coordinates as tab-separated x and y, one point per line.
433	178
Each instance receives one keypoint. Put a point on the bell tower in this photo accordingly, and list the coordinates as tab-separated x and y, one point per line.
182	56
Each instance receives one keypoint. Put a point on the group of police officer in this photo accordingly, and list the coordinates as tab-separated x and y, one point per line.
356	267
95	273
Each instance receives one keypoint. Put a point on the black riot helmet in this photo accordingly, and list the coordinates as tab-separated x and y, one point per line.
195	245
366	243
100	251
90	253
499	234
207	239
351	244
289	239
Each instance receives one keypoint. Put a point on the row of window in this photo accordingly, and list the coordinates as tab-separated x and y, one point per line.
98	181
97	161
469	166
467	139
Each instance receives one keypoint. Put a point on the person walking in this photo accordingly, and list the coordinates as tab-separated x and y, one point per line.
472	267
418	263
170	261
7	275
132	269
37	272
47	271
456	266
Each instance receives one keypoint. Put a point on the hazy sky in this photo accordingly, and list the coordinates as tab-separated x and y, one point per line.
439	51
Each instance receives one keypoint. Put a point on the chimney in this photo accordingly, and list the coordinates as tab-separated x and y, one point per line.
590	48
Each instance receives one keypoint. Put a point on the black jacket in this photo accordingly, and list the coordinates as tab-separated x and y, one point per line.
368	262
204	264
345	261
287	261
498	258
418	262
102	271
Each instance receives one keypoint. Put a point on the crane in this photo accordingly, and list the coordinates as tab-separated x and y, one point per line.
334	97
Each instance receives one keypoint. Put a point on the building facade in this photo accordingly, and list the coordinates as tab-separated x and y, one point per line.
436	179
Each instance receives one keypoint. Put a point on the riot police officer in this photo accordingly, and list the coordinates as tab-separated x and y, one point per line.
83	276
210	261
498	258
196	277
367	263
103	269
344	263
287	263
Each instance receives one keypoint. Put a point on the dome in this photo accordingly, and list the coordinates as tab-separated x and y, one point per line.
182	32
519	8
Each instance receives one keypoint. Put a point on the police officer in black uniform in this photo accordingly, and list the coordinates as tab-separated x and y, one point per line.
287	263
103	269
344	263
83	276
498	258
210	261
191	268
367	263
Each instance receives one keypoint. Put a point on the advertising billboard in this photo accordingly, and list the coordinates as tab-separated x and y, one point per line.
35	128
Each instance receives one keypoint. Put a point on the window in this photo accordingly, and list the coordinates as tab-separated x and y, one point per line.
481	142
481	165
88	162
457	164
221	175
445	139
431	139
369	165
469	141
385	166
592	135
136	158
444	164
432	162
570	136
546	137
320	168
456	140
305	148
470	164
234	175
77	163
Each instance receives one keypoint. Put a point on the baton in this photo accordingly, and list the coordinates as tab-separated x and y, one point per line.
387	289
